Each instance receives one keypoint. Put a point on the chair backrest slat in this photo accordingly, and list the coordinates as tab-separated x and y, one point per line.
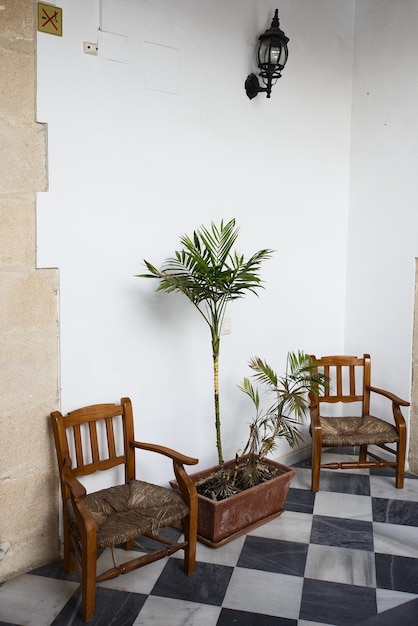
110	437
78	444
352	380
326	372
94	442
339	378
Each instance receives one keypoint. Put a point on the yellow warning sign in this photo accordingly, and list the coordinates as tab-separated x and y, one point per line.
49	19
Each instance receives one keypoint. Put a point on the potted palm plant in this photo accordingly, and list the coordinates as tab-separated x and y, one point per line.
211	274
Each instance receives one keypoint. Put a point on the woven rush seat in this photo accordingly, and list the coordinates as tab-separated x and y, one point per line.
356	430
126	511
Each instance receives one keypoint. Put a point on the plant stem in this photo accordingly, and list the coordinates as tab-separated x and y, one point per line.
215	353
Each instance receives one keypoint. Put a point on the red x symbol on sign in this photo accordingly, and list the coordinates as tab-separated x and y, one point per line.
49	19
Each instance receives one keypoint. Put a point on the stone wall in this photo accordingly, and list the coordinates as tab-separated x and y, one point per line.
28	313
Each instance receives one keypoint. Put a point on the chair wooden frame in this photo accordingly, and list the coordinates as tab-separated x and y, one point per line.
334	367
80	553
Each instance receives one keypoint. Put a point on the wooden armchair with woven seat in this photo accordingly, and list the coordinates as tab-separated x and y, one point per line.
349	383
87	441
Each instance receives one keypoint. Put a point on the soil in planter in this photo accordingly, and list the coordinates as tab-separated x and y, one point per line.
222	485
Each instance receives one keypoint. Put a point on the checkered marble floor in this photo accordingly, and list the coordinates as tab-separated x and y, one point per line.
338	557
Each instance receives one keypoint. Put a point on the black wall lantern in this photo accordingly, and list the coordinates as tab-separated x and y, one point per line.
271	58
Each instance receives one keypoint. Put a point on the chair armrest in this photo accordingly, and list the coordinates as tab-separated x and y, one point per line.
77	490
390	396
314	412
396	404
78	496
172	454
185	483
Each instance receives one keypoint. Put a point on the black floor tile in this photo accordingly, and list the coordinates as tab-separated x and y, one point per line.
336	604
345	482
207	585
113	608
402	512
342	533
229	617
55	570
274	555
399	573
300	501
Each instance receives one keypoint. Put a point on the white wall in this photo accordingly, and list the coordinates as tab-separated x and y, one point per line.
131	168
383	239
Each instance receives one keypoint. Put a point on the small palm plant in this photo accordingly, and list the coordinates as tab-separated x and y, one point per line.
281	419
210	273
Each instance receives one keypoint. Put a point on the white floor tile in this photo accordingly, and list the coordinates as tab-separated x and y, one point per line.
395	539
33	600
384	487
264	592
343	505
165	611
290	526
341	565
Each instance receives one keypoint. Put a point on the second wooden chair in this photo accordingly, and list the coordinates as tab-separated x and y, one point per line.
349	383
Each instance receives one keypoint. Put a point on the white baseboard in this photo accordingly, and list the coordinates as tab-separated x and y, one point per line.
295	456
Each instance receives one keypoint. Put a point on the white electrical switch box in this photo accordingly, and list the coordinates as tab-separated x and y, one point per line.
226	327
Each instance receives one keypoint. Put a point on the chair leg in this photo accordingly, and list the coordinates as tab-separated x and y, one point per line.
190	535
400	468
316	461
68	559
363	453
88	582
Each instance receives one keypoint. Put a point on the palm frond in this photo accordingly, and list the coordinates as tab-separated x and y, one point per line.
282	418
219	241
264	374
251	391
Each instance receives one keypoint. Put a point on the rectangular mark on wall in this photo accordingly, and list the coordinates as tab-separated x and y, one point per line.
162	68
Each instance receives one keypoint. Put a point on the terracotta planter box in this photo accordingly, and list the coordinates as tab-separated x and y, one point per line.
223	521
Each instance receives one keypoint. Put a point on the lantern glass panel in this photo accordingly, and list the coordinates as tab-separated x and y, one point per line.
264	52
272	53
